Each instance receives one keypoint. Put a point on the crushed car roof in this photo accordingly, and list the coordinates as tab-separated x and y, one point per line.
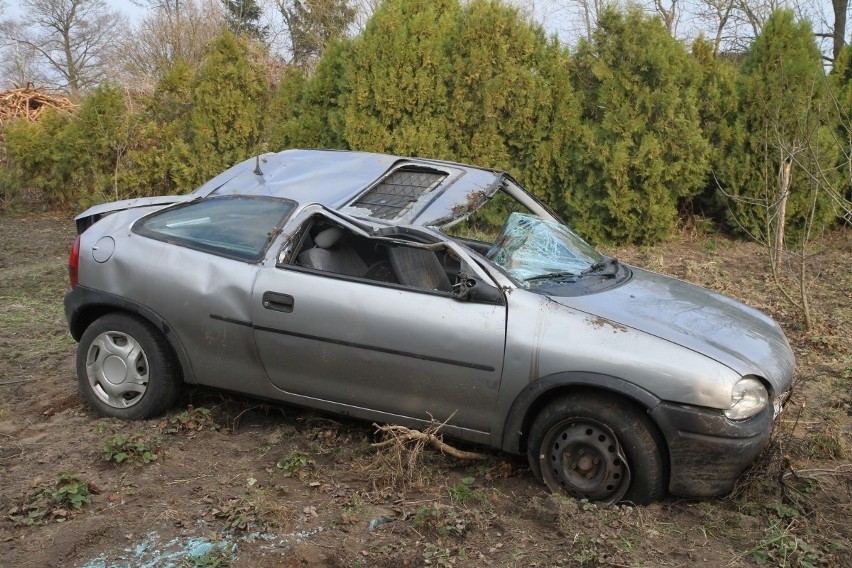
383	188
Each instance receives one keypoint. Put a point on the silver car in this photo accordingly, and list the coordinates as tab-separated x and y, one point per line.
402	290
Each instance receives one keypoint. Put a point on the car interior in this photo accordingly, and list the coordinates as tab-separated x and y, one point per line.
394	259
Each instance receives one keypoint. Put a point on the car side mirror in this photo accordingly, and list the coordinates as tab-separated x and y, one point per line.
469	288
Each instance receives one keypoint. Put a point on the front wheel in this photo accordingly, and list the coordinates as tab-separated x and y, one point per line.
125	368
592	447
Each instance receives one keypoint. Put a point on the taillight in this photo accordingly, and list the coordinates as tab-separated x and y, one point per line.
74	262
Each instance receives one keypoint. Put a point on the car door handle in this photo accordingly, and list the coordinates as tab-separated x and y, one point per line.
278	302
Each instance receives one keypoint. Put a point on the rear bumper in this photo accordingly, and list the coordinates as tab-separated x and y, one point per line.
707	451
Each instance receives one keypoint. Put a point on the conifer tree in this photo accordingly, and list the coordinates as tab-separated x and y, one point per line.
642	148
397	79
162	160
511	103
228	93
94	146
718	108
307	111
243	17
782	140
841	84
33	158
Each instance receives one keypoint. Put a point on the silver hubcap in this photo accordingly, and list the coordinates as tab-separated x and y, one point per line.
584	459
117	369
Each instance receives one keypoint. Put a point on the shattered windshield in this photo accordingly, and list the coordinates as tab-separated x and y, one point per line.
531	248
534	249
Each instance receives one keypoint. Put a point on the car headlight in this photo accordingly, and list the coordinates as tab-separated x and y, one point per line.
748	397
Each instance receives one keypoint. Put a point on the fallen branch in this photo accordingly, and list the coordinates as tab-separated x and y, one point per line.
402	435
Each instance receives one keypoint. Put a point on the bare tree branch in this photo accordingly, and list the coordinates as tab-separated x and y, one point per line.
71	39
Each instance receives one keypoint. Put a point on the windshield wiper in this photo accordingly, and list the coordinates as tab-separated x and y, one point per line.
553	275
599	266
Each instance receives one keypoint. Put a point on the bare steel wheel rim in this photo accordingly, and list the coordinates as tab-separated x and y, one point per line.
117	369
584	458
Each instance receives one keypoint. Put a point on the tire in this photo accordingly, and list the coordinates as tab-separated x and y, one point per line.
125	368
594	447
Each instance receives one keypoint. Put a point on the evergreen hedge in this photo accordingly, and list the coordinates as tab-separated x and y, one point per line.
621	136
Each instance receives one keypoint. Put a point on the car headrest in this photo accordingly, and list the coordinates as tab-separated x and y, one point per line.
328	237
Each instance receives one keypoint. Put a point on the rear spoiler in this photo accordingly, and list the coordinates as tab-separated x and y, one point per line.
94	214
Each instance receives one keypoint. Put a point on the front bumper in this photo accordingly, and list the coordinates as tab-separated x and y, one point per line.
707	451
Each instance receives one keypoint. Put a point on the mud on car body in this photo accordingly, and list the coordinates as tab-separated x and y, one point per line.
396	290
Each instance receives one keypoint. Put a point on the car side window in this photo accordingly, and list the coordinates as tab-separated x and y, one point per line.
331	248
481	229
233	227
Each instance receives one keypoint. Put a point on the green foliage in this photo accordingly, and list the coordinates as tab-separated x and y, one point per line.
718	107
33	157
228	93
190	420
94	147
784	549
511	104
641	149
785	116
309	113
464	491
397	76
473	83
58	501
131	449
162	157
296	464
441	520
243	17
841	84
618	138
313	25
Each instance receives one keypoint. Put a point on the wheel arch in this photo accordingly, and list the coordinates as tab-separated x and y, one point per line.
544	390
84	306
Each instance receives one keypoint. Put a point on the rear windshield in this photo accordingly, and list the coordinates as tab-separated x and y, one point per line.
234	227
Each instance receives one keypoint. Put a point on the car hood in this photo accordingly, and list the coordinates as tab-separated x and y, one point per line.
740	337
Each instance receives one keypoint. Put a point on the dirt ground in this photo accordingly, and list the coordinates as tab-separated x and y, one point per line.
228	481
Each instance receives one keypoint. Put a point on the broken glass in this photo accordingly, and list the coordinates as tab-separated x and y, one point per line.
531	248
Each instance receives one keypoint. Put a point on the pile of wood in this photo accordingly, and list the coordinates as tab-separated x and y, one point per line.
29	103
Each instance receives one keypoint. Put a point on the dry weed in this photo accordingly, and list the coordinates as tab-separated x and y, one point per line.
400	460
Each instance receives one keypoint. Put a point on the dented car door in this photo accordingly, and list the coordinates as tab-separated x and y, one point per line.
380	347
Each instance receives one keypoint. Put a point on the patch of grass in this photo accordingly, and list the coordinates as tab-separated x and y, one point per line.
349	514
463	491
261	508
296	464
440	520
190	420
57	502
131	449
826	444
784	549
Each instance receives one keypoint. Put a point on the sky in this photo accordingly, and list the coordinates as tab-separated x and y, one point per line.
553	14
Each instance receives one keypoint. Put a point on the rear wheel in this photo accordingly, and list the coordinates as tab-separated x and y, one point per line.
595	448
125	368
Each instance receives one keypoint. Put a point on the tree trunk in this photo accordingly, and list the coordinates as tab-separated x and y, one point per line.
839	31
